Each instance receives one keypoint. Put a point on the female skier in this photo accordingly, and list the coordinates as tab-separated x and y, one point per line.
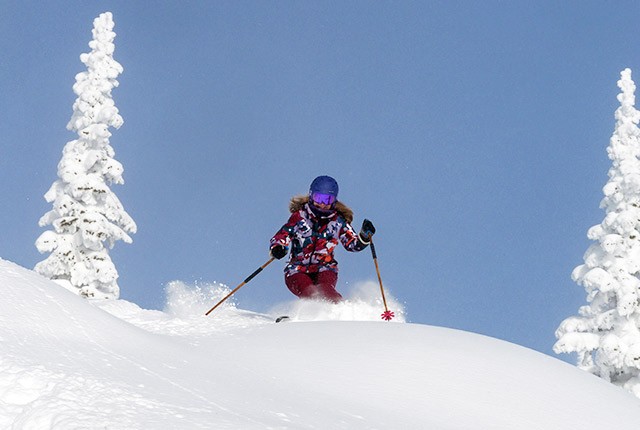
318	221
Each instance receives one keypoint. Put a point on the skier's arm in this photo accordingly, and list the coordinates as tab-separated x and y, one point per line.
283	236
353	241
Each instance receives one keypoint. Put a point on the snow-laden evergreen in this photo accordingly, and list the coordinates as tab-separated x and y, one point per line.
87	217
606	335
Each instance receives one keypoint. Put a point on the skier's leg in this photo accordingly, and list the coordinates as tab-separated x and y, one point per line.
326	284
301	285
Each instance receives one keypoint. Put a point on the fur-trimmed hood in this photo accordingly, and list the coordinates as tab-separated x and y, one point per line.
298	202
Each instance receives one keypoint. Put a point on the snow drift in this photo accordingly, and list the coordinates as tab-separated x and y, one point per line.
67	363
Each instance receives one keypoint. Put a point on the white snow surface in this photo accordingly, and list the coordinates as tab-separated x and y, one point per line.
70	363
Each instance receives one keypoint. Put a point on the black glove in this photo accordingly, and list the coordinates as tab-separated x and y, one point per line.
367	230
279	251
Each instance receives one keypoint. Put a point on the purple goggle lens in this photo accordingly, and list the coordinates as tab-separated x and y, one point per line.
323	199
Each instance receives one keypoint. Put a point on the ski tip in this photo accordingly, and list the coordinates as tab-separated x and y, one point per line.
282	318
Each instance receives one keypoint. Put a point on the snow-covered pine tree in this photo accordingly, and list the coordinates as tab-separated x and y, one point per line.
86	214
606	334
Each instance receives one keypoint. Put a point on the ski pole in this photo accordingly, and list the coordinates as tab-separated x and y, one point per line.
387	315
249	278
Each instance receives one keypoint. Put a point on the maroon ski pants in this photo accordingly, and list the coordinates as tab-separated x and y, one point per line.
321	285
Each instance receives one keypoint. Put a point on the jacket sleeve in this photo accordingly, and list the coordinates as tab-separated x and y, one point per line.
283	236
350	239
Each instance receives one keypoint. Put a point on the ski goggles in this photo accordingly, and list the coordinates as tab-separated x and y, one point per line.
323	199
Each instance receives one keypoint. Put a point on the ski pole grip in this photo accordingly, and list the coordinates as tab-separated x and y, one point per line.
373	251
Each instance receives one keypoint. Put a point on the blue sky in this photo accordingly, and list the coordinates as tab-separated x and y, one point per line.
473	134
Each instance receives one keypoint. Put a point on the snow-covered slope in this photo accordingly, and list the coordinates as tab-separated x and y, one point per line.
66	363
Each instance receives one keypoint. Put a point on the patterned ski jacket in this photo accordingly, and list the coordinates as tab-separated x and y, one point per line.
313	239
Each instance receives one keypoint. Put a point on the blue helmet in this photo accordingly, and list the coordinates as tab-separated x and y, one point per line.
324	185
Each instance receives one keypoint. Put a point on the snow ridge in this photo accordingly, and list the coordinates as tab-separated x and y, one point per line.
70	363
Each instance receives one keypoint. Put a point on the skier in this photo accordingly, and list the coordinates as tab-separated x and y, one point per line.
318	221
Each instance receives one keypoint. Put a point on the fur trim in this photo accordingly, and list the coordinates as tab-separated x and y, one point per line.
298	202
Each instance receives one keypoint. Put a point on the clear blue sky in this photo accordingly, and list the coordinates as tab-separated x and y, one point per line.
473	134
